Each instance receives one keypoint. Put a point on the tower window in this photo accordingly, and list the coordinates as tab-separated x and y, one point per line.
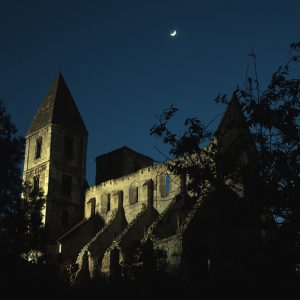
66	185
69	147
38	147
36	183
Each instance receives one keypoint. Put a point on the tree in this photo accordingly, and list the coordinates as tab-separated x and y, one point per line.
256	155
274	120
30	230
20	205
11	156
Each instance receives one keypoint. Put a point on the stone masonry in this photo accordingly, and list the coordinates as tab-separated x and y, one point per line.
134	202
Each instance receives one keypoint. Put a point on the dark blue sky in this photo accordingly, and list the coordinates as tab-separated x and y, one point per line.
122	66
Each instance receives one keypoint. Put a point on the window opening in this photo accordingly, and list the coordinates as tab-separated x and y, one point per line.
69	147
133	194
168	184
93	206
38	147
66	185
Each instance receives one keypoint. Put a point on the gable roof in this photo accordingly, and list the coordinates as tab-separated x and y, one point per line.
58	107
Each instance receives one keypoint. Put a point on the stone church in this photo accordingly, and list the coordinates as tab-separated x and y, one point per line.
133	202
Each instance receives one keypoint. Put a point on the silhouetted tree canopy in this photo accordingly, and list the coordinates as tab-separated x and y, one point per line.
11	157
31	233
20	216
257	155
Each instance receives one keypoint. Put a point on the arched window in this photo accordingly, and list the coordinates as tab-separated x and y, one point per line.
105	202
164	185
120	199
92	203
68	146
133	193
38	147
148	191
108	203
168	184
66	185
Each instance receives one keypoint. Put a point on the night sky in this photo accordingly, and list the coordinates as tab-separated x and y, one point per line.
122	66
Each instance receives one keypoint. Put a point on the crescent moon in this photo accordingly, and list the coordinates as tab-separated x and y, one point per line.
173	33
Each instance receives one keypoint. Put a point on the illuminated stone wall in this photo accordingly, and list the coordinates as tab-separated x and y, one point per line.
161	197
51	166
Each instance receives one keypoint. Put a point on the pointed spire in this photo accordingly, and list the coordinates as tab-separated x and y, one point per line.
233	129
233	116
58	107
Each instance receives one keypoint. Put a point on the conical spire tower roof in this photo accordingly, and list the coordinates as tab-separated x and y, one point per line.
233	129
233	117
58	107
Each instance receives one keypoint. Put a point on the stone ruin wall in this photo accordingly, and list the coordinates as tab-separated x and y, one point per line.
150	187
97	197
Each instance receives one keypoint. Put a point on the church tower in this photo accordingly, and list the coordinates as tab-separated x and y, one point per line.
55	158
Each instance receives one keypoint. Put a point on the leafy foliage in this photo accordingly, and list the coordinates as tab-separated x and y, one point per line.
187	155
20	217
11	156
31	233
273	118
257	155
